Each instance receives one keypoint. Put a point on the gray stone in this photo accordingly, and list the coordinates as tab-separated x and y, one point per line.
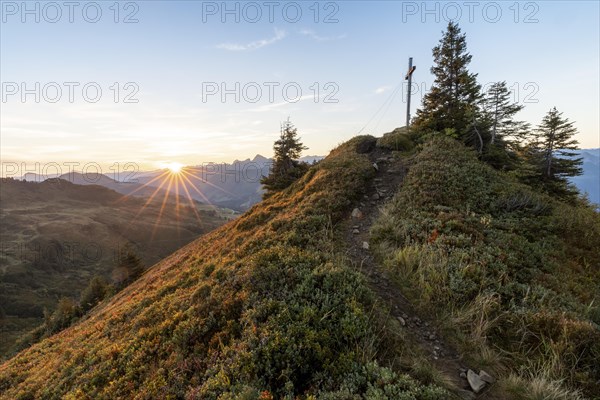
355	231
357	214
402	321
476	383
486	377
376	166
375	196
365	245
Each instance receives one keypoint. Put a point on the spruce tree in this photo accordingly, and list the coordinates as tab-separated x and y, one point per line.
500	113
286	168
504	135
129	267
65	314
552	153
452	102
556	134
93	294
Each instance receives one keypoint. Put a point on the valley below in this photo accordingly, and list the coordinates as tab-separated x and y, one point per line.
57	235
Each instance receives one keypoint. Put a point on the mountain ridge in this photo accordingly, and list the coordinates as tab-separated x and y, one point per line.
589	181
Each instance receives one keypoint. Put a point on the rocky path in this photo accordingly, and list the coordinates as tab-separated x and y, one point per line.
421	331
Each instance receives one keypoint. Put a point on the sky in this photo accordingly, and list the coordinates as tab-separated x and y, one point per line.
107	83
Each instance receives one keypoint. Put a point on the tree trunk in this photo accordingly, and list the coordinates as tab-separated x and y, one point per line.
479	137
549	154
495	120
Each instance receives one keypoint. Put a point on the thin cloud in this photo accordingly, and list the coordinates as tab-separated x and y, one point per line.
257	44
382	89
313	35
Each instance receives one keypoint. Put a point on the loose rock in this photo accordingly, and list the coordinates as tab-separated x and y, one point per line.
357	214
476	383
486	377
365	245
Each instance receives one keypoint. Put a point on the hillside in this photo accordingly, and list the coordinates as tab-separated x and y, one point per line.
289	302
56	236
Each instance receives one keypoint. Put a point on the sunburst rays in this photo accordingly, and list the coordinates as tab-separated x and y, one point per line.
175	187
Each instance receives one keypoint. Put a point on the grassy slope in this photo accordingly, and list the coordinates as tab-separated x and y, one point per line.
514	273
263	304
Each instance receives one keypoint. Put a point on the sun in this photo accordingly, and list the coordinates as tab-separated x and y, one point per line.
174	167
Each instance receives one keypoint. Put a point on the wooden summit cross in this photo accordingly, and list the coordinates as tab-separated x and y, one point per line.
408	77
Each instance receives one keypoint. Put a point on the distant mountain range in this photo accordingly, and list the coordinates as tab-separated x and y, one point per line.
236	185
233	185
589	181
77	178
